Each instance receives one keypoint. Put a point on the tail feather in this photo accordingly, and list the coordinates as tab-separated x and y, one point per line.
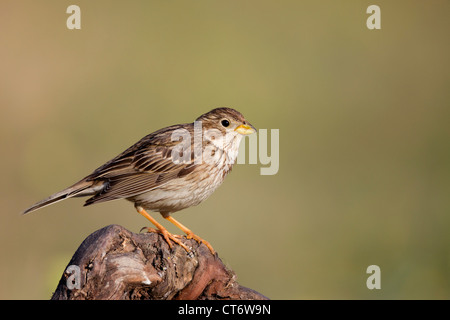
82	188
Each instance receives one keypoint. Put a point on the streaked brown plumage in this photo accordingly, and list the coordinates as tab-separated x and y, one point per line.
149	175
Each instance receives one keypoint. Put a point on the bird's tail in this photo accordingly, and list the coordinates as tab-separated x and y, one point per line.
81	188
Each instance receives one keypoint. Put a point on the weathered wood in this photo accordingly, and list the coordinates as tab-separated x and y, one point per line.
115	263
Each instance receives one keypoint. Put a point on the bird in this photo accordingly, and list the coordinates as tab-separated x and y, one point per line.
169	170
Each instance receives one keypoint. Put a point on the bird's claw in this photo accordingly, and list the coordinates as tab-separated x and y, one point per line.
148	229
168	237
191	235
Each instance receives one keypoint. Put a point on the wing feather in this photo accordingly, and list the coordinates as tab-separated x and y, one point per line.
142	167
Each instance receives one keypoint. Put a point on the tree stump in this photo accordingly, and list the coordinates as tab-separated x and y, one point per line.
114	263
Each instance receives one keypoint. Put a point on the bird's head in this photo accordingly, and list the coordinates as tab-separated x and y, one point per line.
228	121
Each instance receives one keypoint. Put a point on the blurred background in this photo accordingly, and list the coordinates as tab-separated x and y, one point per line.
363	118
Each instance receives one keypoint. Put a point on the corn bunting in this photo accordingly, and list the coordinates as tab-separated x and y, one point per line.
168	170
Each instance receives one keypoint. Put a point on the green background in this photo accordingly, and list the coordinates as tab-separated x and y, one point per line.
363	117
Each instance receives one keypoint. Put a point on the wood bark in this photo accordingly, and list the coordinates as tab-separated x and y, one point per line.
114	263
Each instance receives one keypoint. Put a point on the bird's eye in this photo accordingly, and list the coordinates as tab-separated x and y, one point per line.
225	123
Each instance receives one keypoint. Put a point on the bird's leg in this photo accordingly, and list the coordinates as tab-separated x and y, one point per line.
190	234
166	234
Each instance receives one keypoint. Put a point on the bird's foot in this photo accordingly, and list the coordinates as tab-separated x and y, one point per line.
160	229
168	237
148	230
191	235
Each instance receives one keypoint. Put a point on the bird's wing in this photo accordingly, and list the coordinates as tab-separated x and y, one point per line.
144	166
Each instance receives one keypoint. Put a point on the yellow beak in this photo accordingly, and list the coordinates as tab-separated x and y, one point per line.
245	129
